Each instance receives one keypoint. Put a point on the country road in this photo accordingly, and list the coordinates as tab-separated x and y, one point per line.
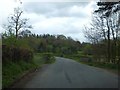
66	73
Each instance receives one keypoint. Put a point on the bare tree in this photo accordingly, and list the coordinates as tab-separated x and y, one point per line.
109	9
16	22
106	27
96	31
97	34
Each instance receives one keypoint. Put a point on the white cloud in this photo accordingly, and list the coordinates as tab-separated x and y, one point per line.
54	18
6	8
33	17
57	0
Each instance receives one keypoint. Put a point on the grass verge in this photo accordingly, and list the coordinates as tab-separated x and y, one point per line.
114	68
12	71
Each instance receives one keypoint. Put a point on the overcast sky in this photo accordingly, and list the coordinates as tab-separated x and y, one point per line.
53	17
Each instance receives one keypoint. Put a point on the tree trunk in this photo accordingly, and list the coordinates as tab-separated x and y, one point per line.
108	48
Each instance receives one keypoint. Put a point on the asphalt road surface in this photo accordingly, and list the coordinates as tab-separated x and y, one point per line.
66	73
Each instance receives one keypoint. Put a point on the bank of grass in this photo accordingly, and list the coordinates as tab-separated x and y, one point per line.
114	68
108	66
12	71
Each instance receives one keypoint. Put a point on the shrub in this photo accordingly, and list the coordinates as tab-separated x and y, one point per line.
15	54
26	54
48	57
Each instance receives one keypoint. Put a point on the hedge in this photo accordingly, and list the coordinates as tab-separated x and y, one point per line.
15	54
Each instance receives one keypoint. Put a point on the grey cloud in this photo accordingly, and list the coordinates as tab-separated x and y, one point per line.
37	7
54	9
65	13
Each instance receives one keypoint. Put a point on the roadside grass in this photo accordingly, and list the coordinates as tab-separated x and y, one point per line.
38	60
102	65
108	66
12	71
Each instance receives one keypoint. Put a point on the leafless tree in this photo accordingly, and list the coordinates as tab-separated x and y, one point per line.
16	23
96	31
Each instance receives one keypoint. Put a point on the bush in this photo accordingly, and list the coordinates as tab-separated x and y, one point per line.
26	54
15	54
48	57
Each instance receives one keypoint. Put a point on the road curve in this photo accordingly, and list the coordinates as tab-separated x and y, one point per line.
66	73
